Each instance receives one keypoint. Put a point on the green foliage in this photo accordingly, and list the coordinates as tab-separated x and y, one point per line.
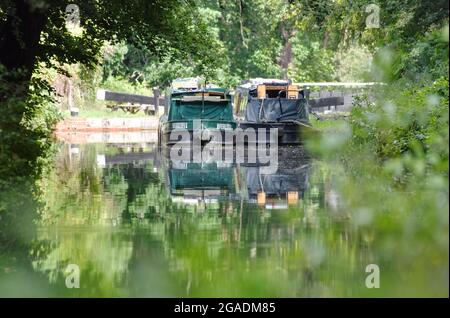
353	63
391	160
379	194
159	25
427	57
123	85
402	119
25	125
410	111
302	40
113	60
393	156
311	62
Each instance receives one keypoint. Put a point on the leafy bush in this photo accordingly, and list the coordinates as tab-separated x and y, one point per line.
402	118
27	117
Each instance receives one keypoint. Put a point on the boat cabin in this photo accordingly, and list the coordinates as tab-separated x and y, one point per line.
272	103
211	106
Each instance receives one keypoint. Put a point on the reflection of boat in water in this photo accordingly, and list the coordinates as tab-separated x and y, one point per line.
213	181
277	190
191	182
280	189
209	179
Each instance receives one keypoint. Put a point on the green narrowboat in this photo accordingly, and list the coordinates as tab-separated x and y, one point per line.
197	112
190	182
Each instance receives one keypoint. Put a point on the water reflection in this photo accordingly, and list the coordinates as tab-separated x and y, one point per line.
110	208
208	182
140	224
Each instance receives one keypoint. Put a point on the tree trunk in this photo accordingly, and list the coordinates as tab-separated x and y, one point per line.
19	46
19	38
326	37
241	24
285	58
222	8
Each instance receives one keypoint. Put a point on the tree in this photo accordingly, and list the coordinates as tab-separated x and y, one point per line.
33	32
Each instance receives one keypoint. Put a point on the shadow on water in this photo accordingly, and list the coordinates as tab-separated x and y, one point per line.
137	223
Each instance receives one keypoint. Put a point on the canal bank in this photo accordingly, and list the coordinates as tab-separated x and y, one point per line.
75	124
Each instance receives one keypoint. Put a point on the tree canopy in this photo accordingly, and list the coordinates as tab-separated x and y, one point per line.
35	31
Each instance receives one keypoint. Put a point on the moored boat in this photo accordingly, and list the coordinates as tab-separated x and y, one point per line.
265	104
193	112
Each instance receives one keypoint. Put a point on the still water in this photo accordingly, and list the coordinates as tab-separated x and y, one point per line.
138	224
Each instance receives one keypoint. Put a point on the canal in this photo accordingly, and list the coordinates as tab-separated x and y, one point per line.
135	223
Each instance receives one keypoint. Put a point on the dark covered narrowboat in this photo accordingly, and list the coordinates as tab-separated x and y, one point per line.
270	103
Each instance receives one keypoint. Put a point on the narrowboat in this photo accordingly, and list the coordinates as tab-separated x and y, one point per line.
280	189
193	112
261	103
196	183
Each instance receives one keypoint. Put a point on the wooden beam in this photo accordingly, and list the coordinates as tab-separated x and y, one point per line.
275	87
128	98
292	92
326	101
261	91
339	84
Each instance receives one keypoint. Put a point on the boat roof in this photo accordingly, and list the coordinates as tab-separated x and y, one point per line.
252	83
176	92
190	83
186	83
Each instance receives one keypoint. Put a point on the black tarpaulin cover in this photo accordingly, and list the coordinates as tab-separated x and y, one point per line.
276	184
276	110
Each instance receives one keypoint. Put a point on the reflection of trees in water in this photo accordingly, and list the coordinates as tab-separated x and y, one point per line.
18	243
86	206
120	225
102	255
136	187
249	251
258	254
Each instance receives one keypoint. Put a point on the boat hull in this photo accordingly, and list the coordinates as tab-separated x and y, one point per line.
289	133
166	138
